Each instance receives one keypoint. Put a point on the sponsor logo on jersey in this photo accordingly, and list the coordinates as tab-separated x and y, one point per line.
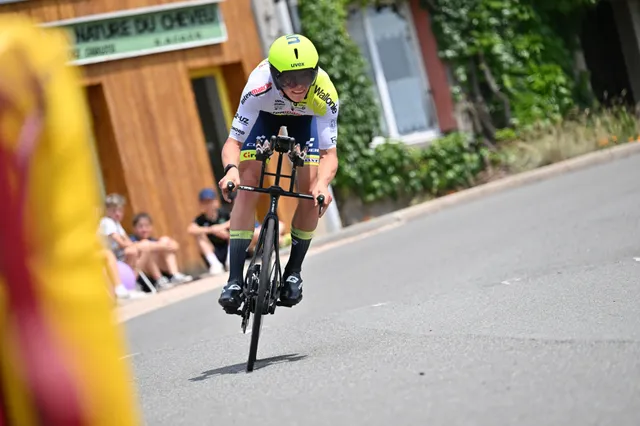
261	90
333	140
333	124
298	107
286	113
278	105
241	119
249	155
237	131
327	98
258	91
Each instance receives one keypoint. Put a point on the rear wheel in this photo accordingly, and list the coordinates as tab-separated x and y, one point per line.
261	299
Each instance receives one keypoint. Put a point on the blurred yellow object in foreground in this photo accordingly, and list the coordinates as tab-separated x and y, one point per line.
60	348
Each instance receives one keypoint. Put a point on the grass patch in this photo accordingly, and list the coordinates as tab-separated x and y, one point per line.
543	144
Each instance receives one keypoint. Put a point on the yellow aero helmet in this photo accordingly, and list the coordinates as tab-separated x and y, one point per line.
293	61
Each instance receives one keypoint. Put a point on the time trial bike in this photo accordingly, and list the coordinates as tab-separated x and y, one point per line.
263	280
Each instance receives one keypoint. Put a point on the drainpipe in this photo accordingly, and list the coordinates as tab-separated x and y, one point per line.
284	18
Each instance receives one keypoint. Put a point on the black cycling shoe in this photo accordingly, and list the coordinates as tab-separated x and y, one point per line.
230	297
292	290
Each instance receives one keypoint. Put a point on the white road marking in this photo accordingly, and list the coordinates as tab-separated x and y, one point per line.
637	259
379	304
130	355
508	282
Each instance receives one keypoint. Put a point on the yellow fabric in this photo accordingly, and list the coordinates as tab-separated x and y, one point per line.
301	235
63	196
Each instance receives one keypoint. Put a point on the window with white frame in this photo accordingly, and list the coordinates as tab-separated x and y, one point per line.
387	41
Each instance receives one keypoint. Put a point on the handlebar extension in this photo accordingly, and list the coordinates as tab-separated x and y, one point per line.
320	198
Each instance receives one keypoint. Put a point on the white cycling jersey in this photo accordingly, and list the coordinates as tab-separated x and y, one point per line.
259	94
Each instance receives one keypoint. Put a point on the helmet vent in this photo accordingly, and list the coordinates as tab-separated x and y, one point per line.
296	52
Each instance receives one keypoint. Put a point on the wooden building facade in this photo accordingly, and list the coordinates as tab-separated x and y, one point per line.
163	79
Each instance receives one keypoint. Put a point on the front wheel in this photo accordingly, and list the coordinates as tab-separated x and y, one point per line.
261	302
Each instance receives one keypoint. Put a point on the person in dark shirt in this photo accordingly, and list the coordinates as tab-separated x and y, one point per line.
211	229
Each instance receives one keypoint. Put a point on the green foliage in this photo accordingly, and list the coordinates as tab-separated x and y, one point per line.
324	22
390	169
525	45
448	164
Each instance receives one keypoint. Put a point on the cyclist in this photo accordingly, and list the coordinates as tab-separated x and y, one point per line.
286	89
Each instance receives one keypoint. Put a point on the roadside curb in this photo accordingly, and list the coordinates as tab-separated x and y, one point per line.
134	309
521	179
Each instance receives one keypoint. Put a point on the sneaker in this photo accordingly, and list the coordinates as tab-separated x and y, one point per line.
137	294
230	296
292	290
121	292
163	283
180	278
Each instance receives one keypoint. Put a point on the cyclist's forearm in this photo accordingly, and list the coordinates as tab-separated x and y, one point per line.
328	167
230	152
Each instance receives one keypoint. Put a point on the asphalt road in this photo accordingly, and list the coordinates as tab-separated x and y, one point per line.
519	309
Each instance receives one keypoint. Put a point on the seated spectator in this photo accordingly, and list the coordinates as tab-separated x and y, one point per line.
114	234
163	250
211	229
113	278
121	245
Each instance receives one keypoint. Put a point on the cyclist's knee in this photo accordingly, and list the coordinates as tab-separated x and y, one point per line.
250	172
307	178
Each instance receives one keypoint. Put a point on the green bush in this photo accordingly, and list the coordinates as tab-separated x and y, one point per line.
448	164
521	49
451	163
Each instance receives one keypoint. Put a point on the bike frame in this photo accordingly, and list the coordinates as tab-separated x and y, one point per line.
282	145
266	294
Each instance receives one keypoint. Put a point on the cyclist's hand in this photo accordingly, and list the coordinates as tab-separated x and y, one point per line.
321	189
232	176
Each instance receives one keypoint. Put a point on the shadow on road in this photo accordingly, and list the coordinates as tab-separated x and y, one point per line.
240	368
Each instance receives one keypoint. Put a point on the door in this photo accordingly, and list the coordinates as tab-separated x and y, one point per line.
211	101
